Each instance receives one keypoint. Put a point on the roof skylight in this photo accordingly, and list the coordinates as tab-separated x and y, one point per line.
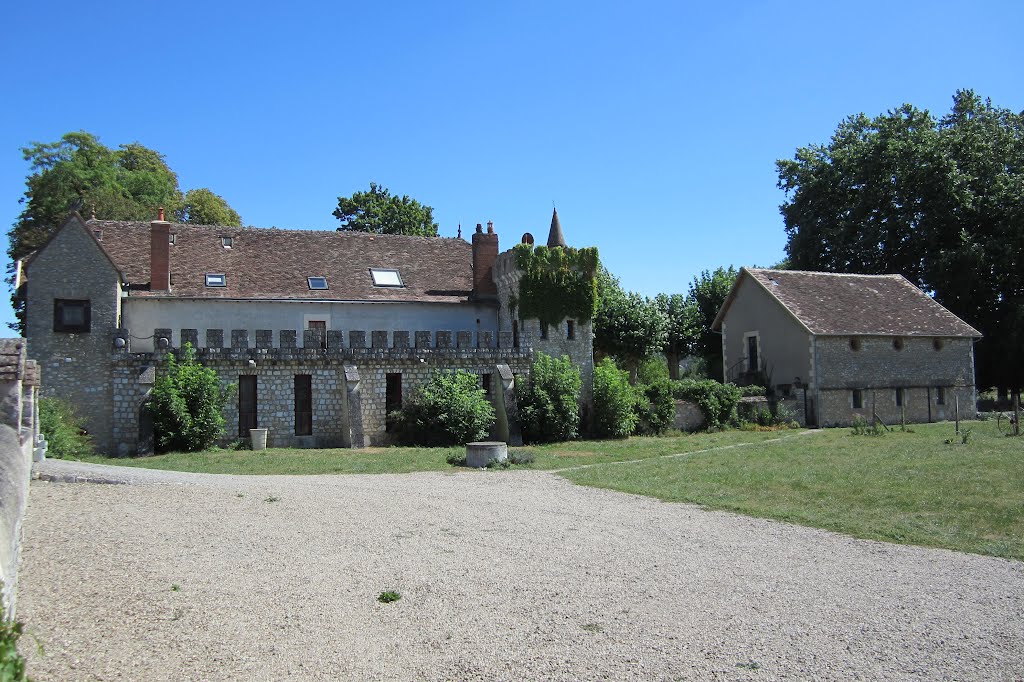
216	280
317	282
386	278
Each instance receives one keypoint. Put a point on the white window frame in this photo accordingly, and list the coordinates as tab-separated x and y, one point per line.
383	283
212	279
309	283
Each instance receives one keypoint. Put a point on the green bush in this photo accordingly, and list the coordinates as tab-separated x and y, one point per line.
186	404
753	391
12	665
450	409
652	370
655	407
62	429
716	400
614	402
549	401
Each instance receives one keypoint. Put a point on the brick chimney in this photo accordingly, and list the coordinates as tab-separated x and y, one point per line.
485	252
160	254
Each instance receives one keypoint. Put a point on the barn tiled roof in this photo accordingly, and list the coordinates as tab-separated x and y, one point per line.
275	264
841	304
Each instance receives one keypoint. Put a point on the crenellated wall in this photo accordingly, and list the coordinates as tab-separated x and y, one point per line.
326	359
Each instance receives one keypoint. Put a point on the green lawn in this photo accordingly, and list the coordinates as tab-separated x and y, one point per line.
406	460
906	487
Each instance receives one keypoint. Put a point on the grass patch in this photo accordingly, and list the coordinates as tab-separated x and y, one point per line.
388	597
397	460
908	487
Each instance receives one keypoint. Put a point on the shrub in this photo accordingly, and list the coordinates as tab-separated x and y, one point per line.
549	401
655	407
12	665
652	370
62	429
186	404
614	402
450	409
716	400
753	391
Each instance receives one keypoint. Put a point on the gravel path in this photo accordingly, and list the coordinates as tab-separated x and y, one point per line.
503	575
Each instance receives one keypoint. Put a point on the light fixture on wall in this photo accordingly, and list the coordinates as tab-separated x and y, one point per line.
252	364
163	343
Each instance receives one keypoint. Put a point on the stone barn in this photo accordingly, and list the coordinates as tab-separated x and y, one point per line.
849	346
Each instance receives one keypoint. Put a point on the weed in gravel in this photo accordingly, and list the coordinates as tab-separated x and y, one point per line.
239	494
175	588
749	665
593	627
12	665
273	498
388	596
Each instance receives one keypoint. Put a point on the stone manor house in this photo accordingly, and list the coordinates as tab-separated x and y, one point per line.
322	332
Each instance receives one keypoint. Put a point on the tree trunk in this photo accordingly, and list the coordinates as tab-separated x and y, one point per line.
673	365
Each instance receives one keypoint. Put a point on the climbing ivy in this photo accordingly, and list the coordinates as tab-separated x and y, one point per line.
557	283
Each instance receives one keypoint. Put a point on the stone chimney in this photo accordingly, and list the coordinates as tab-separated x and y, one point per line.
160	254
485	252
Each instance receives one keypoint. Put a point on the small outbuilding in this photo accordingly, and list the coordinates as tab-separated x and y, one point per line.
848	346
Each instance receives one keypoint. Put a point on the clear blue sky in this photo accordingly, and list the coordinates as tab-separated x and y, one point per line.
654	127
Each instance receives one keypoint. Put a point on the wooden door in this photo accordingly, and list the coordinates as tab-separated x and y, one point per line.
246	405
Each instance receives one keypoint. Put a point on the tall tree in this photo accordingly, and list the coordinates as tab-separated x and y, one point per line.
683	328
378	211
939	201
203	207
628	326
707	294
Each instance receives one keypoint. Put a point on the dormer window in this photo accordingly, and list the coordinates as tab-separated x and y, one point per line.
386	278
317	283
226	242
216	280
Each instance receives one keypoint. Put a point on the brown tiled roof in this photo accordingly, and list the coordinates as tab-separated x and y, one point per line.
840	304
274	264
12	359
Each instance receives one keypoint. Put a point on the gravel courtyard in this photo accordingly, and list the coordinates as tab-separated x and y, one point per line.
503	575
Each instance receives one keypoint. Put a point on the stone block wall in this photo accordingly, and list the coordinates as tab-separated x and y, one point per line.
75	365
19	432
275	370
878	366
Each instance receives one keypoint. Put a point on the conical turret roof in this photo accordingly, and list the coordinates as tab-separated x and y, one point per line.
555	236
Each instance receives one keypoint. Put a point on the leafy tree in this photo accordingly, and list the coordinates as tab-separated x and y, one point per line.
682	330
187	404
615	414
628	326
450	409
203	207
706	296
62	428
549	401
379	212
939	201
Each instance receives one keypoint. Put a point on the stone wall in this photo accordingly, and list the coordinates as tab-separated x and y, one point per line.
932	374
414	355
76	365
19	430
